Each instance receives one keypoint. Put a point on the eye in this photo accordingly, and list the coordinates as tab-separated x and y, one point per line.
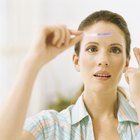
115	50
92	49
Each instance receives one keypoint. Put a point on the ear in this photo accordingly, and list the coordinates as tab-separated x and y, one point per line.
76	62
127	64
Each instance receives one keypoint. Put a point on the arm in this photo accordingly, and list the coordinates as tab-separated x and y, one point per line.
133	78
51	42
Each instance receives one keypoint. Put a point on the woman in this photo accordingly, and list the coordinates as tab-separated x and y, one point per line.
102	112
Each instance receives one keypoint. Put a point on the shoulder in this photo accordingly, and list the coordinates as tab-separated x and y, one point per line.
50	117
48	121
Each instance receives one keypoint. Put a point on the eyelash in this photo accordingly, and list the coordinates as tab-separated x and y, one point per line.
115	50
94	49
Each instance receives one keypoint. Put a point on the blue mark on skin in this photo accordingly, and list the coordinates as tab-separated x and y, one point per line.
104	34
98	34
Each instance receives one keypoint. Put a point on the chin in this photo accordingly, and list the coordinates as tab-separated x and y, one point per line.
101	88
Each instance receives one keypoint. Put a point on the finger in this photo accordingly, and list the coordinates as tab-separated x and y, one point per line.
76	36
67	37
126	77
57	36
75	32
137	55
61	41
51	35
76	39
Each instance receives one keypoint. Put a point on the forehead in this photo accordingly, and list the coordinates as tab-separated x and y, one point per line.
103	26
104	32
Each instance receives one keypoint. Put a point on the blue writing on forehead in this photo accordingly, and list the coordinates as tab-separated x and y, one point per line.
98	34
104	34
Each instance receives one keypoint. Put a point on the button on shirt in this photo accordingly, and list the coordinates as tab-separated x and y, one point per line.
74	123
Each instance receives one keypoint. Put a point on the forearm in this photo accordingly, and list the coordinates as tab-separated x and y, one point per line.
13	112
52	41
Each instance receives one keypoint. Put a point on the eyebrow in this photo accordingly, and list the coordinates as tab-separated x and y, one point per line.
117	44
96	43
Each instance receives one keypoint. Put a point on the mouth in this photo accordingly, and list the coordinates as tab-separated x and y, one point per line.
102	75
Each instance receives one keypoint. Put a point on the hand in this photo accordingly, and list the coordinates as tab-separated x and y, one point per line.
52	41
133	79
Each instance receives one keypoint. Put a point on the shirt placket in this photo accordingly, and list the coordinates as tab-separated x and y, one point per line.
90	131
125	131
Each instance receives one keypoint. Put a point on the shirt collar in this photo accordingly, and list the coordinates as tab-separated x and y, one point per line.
126	112
78	111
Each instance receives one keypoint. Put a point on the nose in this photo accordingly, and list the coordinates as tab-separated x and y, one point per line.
103	59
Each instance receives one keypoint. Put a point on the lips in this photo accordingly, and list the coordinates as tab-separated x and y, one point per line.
102	75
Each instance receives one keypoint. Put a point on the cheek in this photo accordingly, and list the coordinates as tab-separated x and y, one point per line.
87	62
119	65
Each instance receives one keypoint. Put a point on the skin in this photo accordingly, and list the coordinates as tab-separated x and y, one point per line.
51	41
133	78
102	53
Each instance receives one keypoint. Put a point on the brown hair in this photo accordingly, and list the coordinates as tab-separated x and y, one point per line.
106	16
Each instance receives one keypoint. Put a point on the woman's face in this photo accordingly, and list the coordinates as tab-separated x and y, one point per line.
102	59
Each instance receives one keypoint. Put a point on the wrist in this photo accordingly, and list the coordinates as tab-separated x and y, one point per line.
32	61
29	65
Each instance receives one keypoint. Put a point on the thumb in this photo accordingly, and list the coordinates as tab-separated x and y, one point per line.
76	39
126	77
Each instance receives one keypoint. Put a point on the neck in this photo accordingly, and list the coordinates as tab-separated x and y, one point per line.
101	105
